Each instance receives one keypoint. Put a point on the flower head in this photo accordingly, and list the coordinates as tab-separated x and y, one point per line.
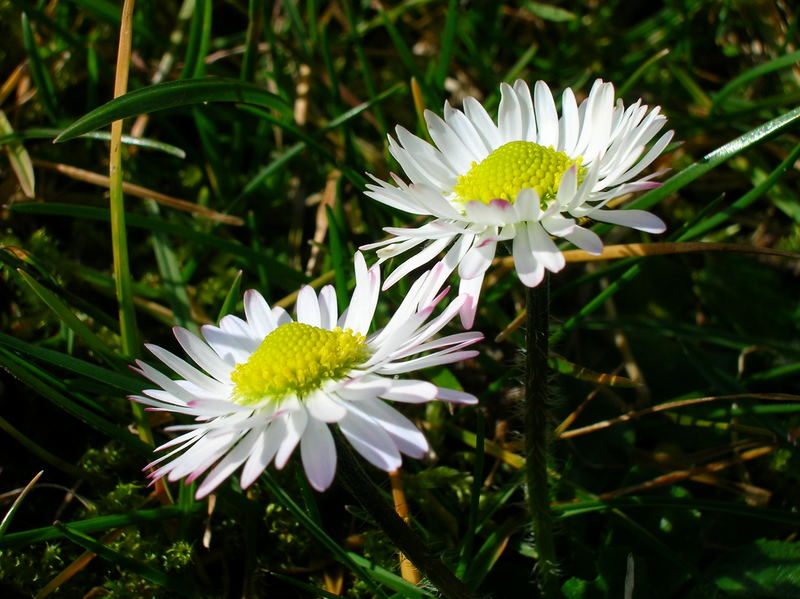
268	383
527	178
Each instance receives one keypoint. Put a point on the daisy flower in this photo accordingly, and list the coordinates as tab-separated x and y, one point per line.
531	176
269	383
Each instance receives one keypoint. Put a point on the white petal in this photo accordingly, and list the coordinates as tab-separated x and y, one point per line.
527	205
454	396
477	114
318	454
365	296
190	373
529	269
569	124
422	257
363	387
371	441
407	437
410	391
546	115
636	219
586	240
203	355
308	306
467	132
295	427
454	152
233	348
263	451
526	110
478	259
544	249
509	116
329	311
321	406
228	464
471	290
258	314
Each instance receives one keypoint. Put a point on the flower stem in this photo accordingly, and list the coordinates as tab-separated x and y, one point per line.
536	433
403	536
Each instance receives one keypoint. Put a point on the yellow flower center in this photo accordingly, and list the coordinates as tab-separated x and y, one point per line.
297	358
512	167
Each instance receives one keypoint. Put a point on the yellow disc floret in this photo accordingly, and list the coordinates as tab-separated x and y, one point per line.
512	167
295	359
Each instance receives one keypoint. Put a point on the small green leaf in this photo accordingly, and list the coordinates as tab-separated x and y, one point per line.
548	12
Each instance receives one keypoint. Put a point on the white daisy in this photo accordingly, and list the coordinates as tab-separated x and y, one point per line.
269	383
524	179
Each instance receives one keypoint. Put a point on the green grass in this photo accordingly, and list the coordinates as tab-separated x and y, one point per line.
262	111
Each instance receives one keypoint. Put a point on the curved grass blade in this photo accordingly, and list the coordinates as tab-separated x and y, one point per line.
179	586
751	74
121	382
101	523
50	133
174	94
17	502
44	84
68	318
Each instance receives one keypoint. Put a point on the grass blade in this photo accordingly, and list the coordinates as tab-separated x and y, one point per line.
6	522
174	94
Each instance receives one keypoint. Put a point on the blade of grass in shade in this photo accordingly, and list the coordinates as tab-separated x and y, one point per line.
6	522
41	453
232	297
255	18
297	27
297	148
41	383
366	68
40	17
44	84
179	586
116	380
465	557
103	9
747	199
285	276
314	591
19	158
448	42
339	259
403	51
521	63
255	243
491	550
172	94
318	533
171	281
578	508
69	319
737	82
193	44
49	133
355	177
640	70
99	524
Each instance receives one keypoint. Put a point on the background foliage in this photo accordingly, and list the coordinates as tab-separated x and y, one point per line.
689	500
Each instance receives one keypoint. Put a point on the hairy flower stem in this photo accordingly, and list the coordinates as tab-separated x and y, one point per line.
401	534
536	434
